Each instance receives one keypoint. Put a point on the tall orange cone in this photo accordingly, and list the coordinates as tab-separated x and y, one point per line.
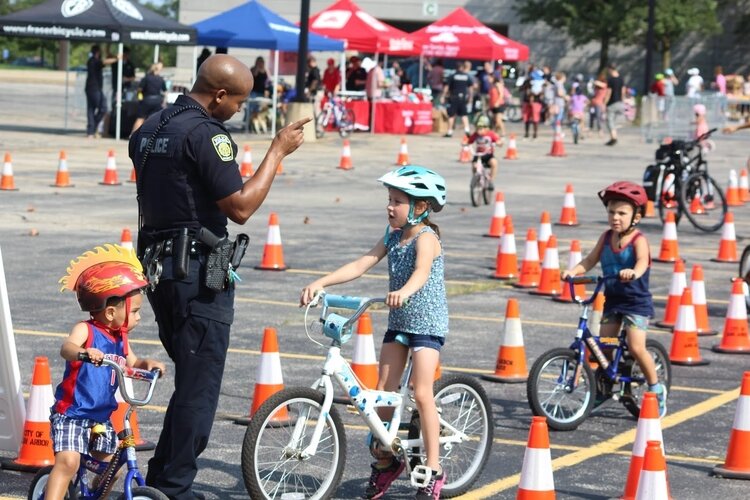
545	231
126	239
558	148
650	212
507	261
345	163
678	284
568	215
511	153
734	339
119	414
574	257
531	268
728	244
670	249
62	179
364	362
273	252
537	482
465	156
648	429
403	153
110	173
744	186
652	484
737	463
36	446
733	190
498	217
684	350
549	282
698	289
6	181
246	167
511	356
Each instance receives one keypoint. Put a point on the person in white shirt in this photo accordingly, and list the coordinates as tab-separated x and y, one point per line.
694	84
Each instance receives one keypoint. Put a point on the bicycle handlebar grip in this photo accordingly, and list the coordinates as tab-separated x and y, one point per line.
582	280
344	301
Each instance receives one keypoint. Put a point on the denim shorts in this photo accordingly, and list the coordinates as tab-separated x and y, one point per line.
73	434
414	341
627	320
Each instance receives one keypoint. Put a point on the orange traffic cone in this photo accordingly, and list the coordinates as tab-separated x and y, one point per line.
728	243
733	191
545	231
549	282
345	163
652	484
6	181
558	148
684	349
650	213
648	429
465	156
568	215
537	482
511	153
498	217
62	179
36	446
696	205
133	175
110	173
246	167
596	314
403	153
511	356
364	362
744	186
574	257
678	284
670	249
737	463
126	239
273	252
734	339
531	269
119	415
506	262
698	289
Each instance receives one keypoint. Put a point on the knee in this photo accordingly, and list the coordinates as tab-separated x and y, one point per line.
424	396
66	464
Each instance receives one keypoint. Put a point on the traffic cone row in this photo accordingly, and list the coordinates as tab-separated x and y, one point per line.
737	463
531	269
648	430
678	284
558	148
568	216
7	183
733	190
734	338
62	179
498	217
345	163
698	289
403	153
670	250
685	349
246	167
511	153
549	281
506	263
110	172
273	252
728	244
511	356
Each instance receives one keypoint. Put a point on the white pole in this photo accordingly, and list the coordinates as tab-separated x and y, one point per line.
421	70
156	53
342	69
374	91
118	92
67	80
275	90
195	64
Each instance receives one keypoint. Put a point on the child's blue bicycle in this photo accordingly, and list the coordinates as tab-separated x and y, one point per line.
105	473
564	387
295	445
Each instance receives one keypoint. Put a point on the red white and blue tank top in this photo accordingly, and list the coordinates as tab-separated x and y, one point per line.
625	297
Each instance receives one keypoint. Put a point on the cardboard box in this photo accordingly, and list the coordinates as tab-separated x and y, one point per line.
439	120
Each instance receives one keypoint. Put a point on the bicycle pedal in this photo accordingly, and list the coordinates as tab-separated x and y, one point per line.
420	476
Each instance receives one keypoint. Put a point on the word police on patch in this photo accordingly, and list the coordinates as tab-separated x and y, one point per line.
223	147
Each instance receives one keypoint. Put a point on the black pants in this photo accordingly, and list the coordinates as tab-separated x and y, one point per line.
194	327
96	108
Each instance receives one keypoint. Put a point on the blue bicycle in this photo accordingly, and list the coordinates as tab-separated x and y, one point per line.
564	387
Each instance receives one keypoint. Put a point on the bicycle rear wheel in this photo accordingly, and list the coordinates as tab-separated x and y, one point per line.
39	485
145	493
669	198
703	201
321	123
346	125
512	113
745	274
634	391
476	189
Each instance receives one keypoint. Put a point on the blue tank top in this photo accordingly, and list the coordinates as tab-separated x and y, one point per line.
625	297
88	391
427	310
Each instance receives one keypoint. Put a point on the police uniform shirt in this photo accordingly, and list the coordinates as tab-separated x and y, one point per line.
459	84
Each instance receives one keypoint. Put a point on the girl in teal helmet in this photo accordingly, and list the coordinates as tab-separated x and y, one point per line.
416	272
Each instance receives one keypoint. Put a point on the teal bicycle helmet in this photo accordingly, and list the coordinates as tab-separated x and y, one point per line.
419	183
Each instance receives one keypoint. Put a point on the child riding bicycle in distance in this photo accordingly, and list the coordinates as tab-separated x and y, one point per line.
485	141
108	283
418	318
624	251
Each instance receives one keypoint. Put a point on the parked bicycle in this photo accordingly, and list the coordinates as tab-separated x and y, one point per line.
334	112
745	275
564	387
679	183
295	445
105	473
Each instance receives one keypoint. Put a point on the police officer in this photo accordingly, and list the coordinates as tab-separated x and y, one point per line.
459	93
188	185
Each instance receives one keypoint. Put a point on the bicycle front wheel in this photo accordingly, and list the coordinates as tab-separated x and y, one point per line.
321	123
561	389
703	201
476	189
634	391
513	113
346	125
464	405
145	493
274	459
38	486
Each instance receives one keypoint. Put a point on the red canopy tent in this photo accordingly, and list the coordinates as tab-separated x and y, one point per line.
459	35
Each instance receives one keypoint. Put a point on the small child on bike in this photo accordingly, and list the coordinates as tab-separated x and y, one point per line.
109	284
577	109
418	318
624	251
485	140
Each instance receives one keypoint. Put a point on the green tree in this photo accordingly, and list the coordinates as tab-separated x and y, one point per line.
673	19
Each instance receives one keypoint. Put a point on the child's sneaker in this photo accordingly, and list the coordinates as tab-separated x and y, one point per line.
432	490
661	398
381	479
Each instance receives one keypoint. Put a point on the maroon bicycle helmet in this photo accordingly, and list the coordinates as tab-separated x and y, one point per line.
625	191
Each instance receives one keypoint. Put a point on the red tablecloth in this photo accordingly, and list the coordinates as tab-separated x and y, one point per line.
361	110
403	118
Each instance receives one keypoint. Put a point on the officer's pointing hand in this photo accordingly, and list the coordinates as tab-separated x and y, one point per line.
291	137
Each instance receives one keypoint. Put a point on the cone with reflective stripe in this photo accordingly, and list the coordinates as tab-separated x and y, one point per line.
652	484
545	231
36	447
126	239
685	349
465	156
650	212
364	362
273	252
498	217
110	173
574	257
345	163
568	215
696	206
507	261
698	288
558	148
119	414
537	482
728	243
6	181
549	282
744	186
62	179
511	153
596	313
733	190
678	284
649	429
734	339
531	268
670	250
246	167
403	153
737	463
511	356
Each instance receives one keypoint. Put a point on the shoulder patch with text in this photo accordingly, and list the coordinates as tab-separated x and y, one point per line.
223	147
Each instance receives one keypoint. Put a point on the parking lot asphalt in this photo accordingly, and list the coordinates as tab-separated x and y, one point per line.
328	216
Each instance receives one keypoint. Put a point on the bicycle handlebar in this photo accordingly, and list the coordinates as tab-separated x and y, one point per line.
337	326
587	280
692	144
134	373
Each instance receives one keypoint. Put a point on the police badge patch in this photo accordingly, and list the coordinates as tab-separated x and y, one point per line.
223	147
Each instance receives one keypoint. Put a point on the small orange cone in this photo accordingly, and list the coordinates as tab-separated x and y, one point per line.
364	362
698	289
110	173
511	356
744	186
273	252
678	284
62	179
728	243
403	153
507	261
126	239
119	414
537	482
558	148
345	163
498	217
6	181
545	231
133	174
696	206
568	215
246	167
737	463
596	314
574	257
650	213
648	429
734	339
685	346
36	446
511	153
465	156
531	268
733	190
652	484
549	282
670	249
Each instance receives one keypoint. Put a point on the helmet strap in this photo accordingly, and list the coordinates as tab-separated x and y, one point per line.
410	219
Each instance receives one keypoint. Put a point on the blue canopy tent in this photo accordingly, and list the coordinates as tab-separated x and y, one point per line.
251	25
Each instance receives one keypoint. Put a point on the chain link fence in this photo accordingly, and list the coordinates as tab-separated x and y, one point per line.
673	116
